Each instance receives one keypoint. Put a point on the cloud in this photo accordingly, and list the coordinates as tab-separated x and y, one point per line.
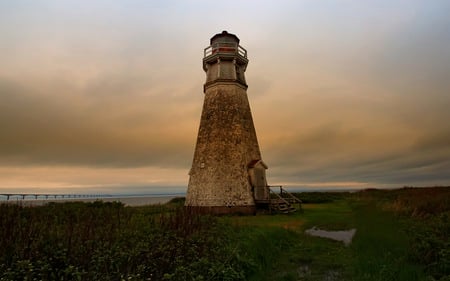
334	153
108	123
341	93
70	179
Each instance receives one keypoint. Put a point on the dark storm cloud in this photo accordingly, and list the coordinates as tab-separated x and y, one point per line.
106	93
333	154
90	128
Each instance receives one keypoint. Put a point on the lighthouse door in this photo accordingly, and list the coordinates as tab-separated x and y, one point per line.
258	181
260	184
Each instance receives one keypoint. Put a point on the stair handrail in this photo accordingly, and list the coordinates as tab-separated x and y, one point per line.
279	196
298	200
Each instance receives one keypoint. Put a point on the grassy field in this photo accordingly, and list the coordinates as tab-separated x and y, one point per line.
401	235
378	251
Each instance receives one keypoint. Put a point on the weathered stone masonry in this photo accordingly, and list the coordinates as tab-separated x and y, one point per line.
226	143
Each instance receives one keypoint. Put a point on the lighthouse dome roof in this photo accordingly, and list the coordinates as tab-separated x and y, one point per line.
224	37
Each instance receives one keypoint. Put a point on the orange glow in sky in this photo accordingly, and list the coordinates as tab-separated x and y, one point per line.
107	95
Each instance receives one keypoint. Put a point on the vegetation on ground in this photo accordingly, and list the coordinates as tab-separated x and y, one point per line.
401	235
107	241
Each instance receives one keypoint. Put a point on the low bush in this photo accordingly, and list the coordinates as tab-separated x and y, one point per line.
108	241
321	197
427	213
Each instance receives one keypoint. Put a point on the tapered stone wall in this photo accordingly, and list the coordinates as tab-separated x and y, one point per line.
226	143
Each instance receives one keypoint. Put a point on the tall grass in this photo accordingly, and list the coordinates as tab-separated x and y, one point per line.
425	214
380	246
401	235
107	241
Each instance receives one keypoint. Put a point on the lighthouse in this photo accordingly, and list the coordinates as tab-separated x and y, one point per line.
227	173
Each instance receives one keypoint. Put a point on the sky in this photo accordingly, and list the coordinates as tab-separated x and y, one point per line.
106	96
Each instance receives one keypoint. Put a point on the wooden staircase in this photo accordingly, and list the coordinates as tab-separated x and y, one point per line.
283	202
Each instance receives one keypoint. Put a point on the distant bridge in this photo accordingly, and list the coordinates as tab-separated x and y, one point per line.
50	196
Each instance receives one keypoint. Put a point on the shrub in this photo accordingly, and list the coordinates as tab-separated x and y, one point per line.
108	241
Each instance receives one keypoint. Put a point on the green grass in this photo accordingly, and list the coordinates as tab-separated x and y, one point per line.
300	255
380	246
379	250
401	235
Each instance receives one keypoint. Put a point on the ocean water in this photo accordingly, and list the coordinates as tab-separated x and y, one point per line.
137	200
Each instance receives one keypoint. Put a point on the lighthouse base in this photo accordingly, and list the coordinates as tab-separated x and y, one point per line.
223	210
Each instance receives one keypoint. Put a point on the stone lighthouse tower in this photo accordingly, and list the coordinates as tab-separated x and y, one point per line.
227	174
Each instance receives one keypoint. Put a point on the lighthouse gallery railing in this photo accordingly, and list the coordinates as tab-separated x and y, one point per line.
223	47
